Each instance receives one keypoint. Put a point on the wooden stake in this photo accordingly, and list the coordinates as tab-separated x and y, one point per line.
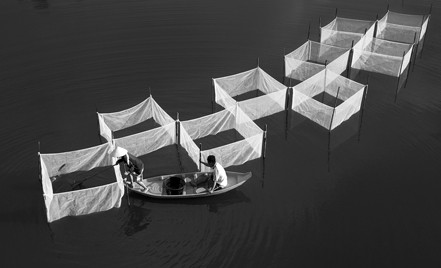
351	54
329	132
39	162
376	27
363	103
324	84
213	96
284	66
200	157
264	141
320	28
399	76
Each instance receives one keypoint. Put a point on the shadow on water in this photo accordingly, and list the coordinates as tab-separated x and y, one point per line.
137	215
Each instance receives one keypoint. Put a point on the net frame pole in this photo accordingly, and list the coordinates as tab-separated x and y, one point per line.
411	60
264	141
427	30
258	66
284	66
336	12
376	26
98	121
348	67
363	103
399	76
213	96
324	83
329	130
178	140
320	29
287	110
309	31
39	162
200	157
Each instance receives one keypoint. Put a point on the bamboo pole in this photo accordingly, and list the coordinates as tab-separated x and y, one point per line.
200	157
264	141
329	132
363	103
399	76
351	55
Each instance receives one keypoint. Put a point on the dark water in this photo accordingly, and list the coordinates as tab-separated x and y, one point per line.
378	206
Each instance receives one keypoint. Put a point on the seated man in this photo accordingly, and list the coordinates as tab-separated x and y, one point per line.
217	180
134	164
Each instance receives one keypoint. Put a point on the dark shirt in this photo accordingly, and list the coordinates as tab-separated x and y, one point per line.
135	164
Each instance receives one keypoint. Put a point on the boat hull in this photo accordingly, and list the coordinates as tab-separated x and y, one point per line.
156	185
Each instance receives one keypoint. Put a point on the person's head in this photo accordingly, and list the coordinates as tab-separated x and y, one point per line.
211	160
120	153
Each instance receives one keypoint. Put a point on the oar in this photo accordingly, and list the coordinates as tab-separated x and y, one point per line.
78	183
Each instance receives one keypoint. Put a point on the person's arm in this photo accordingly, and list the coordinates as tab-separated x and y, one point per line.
215	177
205	163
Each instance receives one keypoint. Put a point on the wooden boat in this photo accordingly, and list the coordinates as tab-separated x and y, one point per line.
159	187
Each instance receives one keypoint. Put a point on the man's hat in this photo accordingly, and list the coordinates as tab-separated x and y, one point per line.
119	152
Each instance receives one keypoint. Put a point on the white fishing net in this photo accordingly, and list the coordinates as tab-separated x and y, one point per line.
307	102
85	201
311	57
381	56
111	122
405	28
343	32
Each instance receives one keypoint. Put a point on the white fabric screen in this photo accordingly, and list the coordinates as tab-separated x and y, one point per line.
132	116
84	201
310	59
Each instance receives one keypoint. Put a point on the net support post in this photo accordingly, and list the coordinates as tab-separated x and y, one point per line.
213	96
265	133
288	105
330	128
324	83
39	162
309	31
178	130
320	29
363	103
399	76
376	26
336	12
351	55
200	157
284	66
98	122
412	59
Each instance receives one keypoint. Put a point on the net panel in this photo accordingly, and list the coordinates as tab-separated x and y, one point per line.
141	112
310	59
84	201
382	56
148	141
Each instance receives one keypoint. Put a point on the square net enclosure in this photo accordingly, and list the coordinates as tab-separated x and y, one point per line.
328	98
249	147
381	56
147	109
83	201
404	28
274	100
343	32
312	57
